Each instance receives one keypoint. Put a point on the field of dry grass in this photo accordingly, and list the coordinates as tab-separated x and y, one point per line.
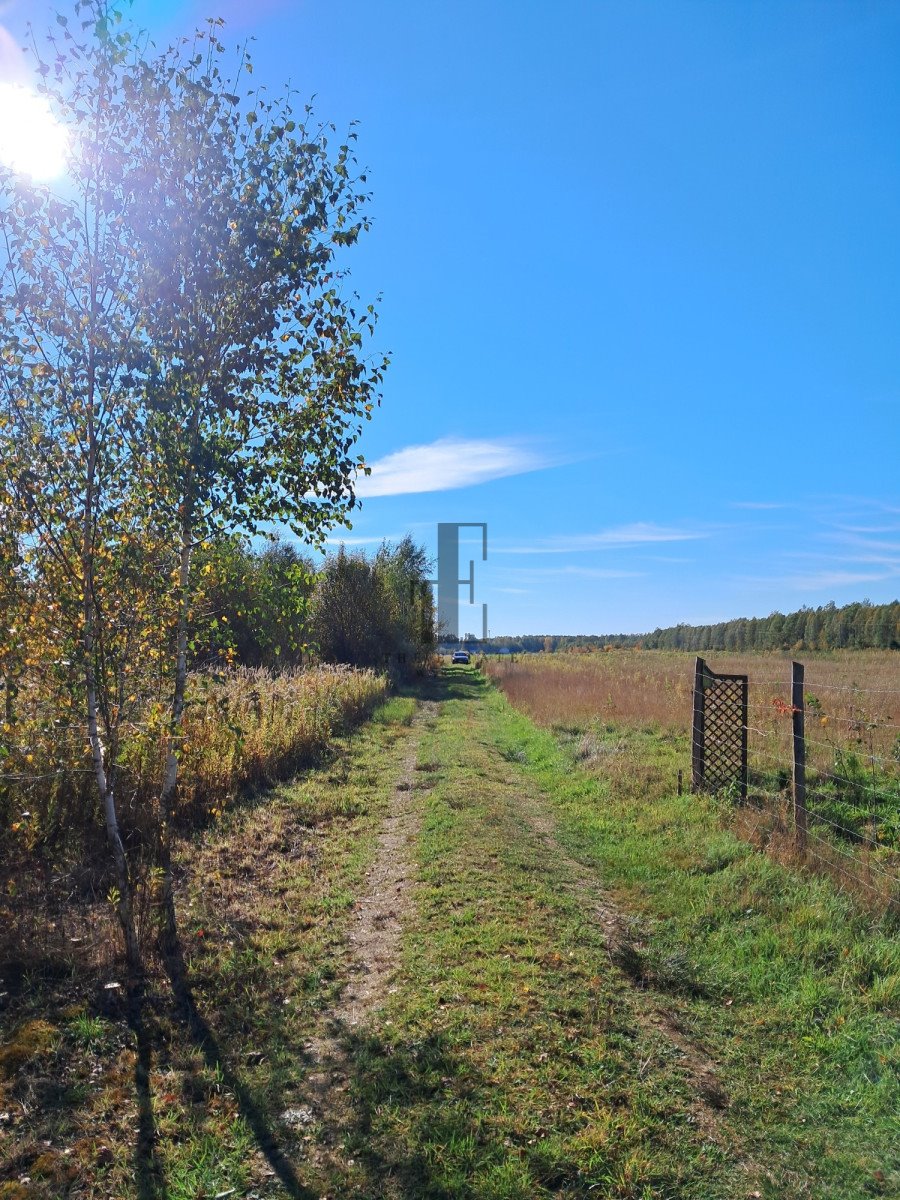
852	735
654	687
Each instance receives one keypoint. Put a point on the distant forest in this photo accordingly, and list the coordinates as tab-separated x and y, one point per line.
860	626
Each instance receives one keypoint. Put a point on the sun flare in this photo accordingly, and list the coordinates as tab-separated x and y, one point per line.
32	141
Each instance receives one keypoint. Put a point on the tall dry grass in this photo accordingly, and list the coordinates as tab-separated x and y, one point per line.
852	710
655	687
253	727
619	687
853	697
242	729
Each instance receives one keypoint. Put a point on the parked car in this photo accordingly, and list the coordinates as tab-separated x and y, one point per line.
460	656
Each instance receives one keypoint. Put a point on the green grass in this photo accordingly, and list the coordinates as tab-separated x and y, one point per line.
513	1062
88	1032
520	1053
794	989
398	710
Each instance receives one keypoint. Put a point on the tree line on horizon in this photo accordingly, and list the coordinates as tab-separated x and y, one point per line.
857	626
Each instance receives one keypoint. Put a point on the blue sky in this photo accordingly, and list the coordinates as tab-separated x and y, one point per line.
640	267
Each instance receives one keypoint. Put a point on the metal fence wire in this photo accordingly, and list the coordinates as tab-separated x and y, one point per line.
844	803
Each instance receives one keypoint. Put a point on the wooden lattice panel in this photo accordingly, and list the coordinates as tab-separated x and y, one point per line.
720	731
724	740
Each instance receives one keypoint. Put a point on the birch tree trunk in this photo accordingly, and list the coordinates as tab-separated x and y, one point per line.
169	928
124	903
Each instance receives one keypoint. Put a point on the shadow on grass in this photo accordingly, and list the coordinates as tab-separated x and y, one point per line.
149	1176
256	1119
455	683
410	1082
422	1131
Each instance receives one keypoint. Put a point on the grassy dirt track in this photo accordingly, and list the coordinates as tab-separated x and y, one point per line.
465	960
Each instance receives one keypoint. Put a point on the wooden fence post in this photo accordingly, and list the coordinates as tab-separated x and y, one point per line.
797	715
699	727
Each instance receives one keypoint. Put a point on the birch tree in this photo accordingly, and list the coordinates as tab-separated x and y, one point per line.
180	357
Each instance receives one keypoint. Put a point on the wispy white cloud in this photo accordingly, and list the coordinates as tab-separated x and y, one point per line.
869	529
869	557
757	504
622	537
446	464
361	541
812	582
848	556
864	543
830	579
576	572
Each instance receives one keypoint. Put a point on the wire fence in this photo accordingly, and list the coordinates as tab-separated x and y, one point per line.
821	763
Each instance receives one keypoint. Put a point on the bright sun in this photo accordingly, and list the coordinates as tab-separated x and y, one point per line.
32	141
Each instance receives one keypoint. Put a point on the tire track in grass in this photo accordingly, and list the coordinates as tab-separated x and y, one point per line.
374	945
377	929
699	1067
710	1097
